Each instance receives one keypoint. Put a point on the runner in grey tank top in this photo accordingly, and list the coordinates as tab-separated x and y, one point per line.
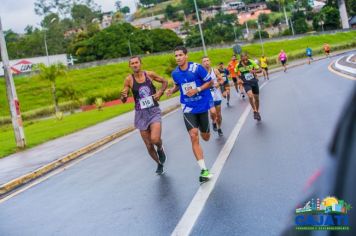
147	111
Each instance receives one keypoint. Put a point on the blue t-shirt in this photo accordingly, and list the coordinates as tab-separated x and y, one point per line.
309	52
195	76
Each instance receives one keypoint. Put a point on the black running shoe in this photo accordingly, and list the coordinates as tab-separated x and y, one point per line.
258	116
161	156
215	128
159	170
205	176
220	133
228	104
255	115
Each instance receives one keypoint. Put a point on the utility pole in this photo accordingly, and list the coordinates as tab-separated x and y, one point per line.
259	32
343	14
200	29
11	94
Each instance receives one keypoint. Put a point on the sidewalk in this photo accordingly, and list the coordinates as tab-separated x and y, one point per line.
20	168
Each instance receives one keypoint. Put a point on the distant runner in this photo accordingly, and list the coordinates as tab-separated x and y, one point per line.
225	88
248	70
264	66
194	83
231	67
326	49
147	111
309	53
215	112
283	59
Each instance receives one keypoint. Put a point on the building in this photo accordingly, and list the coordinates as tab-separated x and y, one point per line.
153	22
106	20
352	22
253	15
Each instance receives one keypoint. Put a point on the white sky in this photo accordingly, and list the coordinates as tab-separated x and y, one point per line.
17	14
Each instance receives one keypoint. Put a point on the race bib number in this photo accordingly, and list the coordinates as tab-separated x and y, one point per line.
214	95
188	86
146	102
249	76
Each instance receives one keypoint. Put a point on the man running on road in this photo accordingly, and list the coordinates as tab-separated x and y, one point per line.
326	49
231	67
215	112
264	66
225	88
248	70
147	111
309	53
194	83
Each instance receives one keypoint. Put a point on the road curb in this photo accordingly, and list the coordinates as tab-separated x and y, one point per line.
18	182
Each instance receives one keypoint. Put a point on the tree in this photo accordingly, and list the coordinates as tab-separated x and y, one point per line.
330	16
170	12
351	7
263	19
51	73
82	15
125	10
61	7
300	26
264	35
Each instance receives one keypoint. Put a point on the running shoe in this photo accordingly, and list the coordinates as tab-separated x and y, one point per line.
159	170
205	176
161	156
228	104
215	128
220	133
255	115
258	116
243	96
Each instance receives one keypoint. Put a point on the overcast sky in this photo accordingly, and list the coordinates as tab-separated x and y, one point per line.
17	14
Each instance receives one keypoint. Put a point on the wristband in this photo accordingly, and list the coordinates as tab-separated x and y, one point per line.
199	89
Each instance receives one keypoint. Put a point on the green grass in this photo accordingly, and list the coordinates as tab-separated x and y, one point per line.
38	132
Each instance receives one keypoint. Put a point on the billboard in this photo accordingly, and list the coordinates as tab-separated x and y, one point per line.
26	65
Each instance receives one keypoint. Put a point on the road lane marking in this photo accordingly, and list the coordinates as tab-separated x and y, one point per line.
190	216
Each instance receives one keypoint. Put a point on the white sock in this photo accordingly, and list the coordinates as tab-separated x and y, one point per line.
201	164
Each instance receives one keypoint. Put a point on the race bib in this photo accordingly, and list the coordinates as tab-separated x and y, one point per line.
188	86
146	102
249	76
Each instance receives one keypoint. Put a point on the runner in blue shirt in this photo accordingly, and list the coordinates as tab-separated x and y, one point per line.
194	83
309	53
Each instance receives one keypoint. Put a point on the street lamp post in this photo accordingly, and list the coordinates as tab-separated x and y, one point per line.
291	24
129	44
45	39
259	32
14	103
200	29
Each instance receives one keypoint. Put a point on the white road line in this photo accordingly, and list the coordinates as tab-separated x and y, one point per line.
72	163
190	216
344	68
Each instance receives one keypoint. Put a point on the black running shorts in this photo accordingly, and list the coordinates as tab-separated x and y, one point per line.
252	86
200	121
234	79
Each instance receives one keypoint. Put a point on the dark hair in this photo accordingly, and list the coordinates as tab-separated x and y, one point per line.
221	63
133	57
181	48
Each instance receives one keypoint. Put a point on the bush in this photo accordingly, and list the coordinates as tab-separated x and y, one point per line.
264	35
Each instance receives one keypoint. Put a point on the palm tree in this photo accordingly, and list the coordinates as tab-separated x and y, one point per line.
51	73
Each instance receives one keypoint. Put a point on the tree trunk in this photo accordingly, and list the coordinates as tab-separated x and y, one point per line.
343	14
54	95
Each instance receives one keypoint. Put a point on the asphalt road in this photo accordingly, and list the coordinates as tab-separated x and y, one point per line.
116	192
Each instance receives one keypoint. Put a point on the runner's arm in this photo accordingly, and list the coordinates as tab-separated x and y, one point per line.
125	90
158	79
219	77
173	90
